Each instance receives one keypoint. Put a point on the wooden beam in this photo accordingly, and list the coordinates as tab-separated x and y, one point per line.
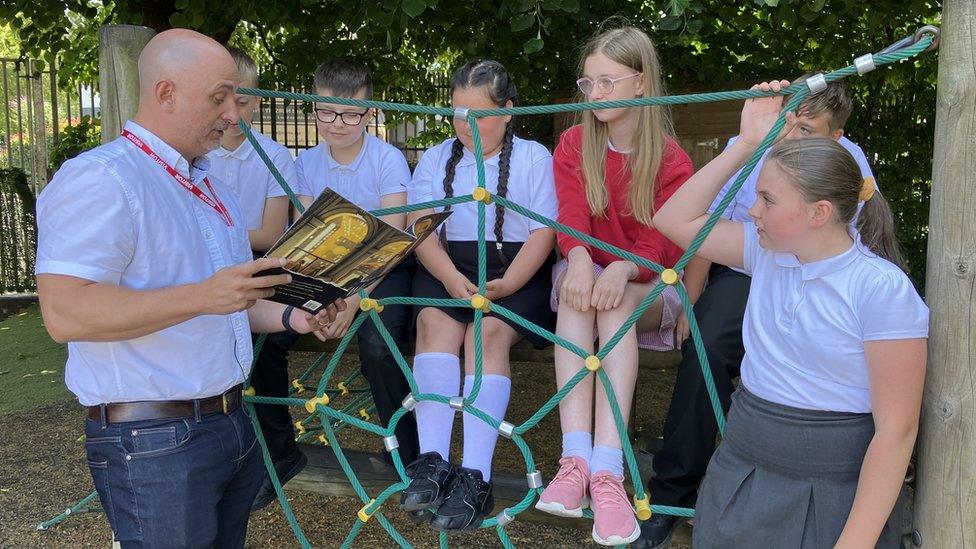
323	475
119	47
521	352
945	501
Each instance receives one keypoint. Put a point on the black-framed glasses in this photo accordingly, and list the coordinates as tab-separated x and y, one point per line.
604	84
351	118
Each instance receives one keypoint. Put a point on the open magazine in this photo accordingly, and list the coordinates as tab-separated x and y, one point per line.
336	249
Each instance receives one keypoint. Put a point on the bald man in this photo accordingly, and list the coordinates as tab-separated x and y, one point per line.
144	269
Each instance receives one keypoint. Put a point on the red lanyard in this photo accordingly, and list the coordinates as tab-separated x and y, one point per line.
214	202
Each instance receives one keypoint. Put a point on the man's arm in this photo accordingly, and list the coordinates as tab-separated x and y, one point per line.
76	309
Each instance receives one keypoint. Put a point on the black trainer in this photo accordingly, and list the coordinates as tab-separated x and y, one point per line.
468	500
656	531
286	468
429	476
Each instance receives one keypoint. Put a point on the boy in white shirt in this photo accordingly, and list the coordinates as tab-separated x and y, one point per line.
372	174
265	206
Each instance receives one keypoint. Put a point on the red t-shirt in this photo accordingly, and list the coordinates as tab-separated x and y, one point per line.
619	227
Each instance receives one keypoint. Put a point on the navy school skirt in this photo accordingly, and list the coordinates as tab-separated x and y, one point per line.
531	301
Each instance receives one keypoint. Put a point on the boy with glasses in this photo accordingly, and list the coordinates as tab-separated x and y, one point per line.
372	174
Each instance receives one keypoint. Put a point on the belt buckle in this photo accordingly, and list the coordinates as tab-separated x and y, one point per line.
224	404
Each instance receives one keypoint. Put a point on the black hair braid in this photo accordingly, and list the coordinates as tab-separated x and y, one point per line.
457	151
504	165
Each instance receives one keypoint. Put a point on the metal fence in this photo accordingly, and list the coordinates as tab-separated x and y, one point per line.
33	119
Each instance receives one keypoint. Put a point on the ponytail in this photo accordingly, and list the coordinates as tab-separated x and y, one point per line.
822	169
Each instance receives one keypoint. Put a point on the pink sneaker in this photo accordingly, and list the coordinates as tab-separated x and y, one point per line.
614	522
566	495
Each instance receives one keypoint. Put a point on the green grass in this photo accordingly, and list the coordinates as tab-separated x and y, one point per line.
31	363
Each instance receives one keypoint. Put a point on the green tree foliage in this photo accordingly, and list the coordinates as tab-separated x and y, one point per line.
704	44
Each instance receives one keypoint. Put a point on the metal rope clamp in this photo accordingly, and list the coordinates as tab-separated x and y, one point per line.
817	83
461	112
931	30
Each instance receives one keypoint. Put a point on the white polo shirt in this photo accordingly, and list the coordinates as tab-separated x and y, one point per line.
530	184
113	215
379	169
249	177
805	324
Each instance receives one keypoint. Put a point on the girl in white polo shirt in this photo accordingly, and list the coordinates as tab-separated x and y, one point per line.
520	259
822	427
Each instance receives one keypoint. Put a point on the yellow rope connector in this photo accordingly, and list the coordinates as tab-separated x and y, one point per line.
363	515
364	414
670	277
368	304
324	440
592	363
299	427
481	302
250	392
342	387
298	385
643	507
311	403
481	194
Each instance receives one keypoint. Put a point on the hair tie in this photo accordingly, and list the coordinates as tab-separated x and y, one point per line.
867	189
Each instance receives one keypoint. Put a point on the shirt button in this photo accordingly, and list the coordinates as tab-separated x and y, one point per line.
208	235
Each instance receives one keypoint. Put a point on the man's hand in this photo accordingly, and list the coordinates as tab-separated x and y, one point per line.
304	323
235	288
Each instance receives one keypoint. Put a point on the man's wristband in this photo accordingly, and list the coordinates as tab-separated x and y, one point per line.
286	319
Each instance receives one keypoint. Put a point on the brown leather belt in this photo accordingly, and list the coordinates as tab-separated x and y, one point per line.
120	412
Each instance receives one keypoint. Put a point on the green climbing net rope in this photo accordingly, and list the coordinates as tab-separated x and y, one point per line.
323	421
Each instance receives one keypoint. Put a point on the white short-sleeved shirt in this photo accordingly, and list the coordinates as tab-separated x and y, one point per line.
805	324
112	215
379	169
249	177
530	184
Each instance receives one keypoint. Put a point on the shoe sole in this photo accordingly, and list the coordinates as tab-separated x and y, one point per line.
617	540
560	510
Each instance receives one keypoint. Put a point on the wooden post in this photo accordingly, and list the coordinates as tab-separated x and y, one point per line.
39	128
118	74
945	504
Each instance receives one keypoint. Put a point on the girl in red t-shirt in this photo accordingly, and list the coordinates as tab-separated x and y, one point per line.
611	172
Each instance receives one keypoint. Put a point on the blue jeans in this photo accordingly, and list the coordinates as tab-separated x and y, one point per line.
176	482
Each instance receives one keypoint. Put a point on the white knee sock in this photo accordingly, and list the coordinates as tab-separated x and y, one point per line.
440	374
579	444
607	458
479	437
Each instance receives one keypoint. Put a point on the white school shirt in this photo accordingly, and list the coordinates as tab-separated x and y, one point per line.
379	169
738	209
249	177
113	215
805	324
530	184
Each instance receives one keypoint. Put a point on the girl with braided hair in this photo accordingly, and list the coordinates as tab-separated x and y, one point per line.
519	265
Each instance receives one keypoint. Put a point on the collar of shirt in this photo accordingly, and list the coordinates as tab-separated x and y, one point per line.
242	152
824	267
352	166
468	159
163	150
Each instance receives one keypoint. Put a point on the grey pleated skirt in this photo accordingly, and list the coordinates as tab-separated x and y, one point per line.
784	477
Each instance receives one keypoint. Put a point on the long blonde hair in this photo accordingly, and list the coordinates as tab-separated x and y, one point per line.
632	48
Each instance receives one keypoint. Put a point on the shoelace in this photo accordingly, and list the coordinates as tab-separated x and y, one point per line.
423	468
607	492
469	482
565	473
